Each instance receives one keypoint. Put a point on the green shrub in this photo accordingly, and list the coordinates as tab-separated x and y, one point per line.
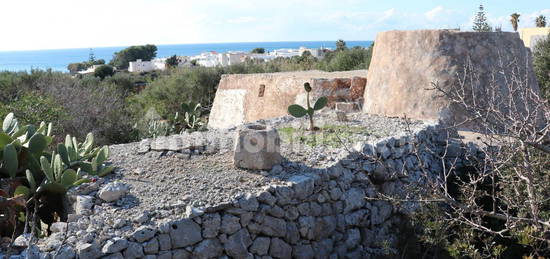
541	64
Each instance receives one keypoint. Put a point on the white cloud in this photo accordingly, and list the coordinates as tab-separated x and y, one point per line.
243	19
432	14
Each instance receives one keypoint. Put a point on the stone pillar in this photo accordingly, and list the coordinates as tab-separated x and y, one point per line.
257	147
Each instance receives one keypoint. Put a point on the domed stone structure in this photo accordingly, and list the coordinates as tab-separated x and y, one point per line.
405	64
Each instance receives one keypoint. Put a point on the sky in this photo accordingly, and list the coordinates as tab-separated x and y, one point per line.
58	24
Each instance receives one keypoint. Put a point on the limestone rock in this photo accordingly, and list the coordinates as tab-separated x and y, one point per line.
143	234
279	249
133	251
151	246
260	246
257	147
237	244
208	248
114	245
354	198
211	225
58	227
113	191
303	185
230	224
185	232
88	251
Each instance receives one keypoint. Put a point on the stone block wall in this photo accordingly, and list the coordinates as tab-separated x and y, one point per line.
251	97
321	213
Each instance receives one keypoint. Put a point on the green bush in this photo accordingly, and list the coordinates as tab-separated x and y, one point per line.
33	108
541	64
104	71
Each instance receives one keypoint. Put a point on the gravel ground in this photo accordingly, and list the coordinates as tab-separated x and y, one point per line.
163	183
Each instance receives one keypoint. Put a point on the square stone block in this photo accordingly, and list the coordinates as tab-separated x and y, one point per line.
257	147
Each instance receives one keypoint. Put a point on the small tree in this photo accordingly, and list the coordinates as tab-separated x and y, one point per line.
258	51
541	21
514	19
480	21
104	71
340	45
172	61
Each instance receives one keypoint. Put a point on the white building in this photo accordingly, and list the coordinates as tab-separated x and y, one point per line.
90	70
232	58
139	66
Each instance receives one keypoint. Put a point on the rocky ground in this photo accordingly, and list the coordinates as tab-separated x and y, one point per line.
167	178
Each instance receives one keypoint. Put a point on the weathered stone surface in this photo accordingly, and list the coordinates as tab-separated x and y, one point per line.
185	232
66	252
246	98
211	225
165	243
354	198
180	254
273	226
303	185
208	248
230	224
114	256
396	85
237	244
143	233
267	198
151	246
347	107
134	250
84	204
260	246
58	227
324	226
303	251
292	233
112	191
279	249
257	147
114	245
353	238
249	202
88	251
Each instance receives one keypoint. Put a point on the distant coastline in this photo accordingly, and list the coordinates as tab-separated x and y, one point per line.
58	59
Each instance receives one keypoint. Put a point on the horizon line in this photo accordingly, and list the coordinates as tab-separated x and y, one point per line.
172	44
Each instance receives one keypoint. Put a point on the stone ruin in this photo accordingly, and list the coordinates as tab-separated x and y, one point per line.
250	97
406	63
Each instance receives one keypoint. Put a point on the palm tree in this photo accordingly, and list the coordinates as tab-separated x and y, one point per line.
515	20
541	21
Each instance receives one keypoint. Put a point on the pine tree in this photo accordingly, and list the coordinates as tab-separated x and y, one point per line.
541	21
91	57
514	19
480	21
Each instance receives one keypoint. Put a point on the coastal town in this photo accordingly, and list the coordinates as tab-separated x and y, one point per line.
213	58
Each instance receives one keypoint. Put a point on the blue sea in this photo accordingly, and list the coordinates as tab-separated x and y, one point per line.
58	59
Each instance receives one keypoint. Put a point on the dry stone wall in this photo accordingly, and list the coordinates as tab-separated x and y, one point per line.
322	213
251	97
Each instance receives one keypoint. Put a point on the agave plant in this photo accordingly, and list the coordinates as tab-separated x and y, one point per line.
192	115
29	173
298	111
84	156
